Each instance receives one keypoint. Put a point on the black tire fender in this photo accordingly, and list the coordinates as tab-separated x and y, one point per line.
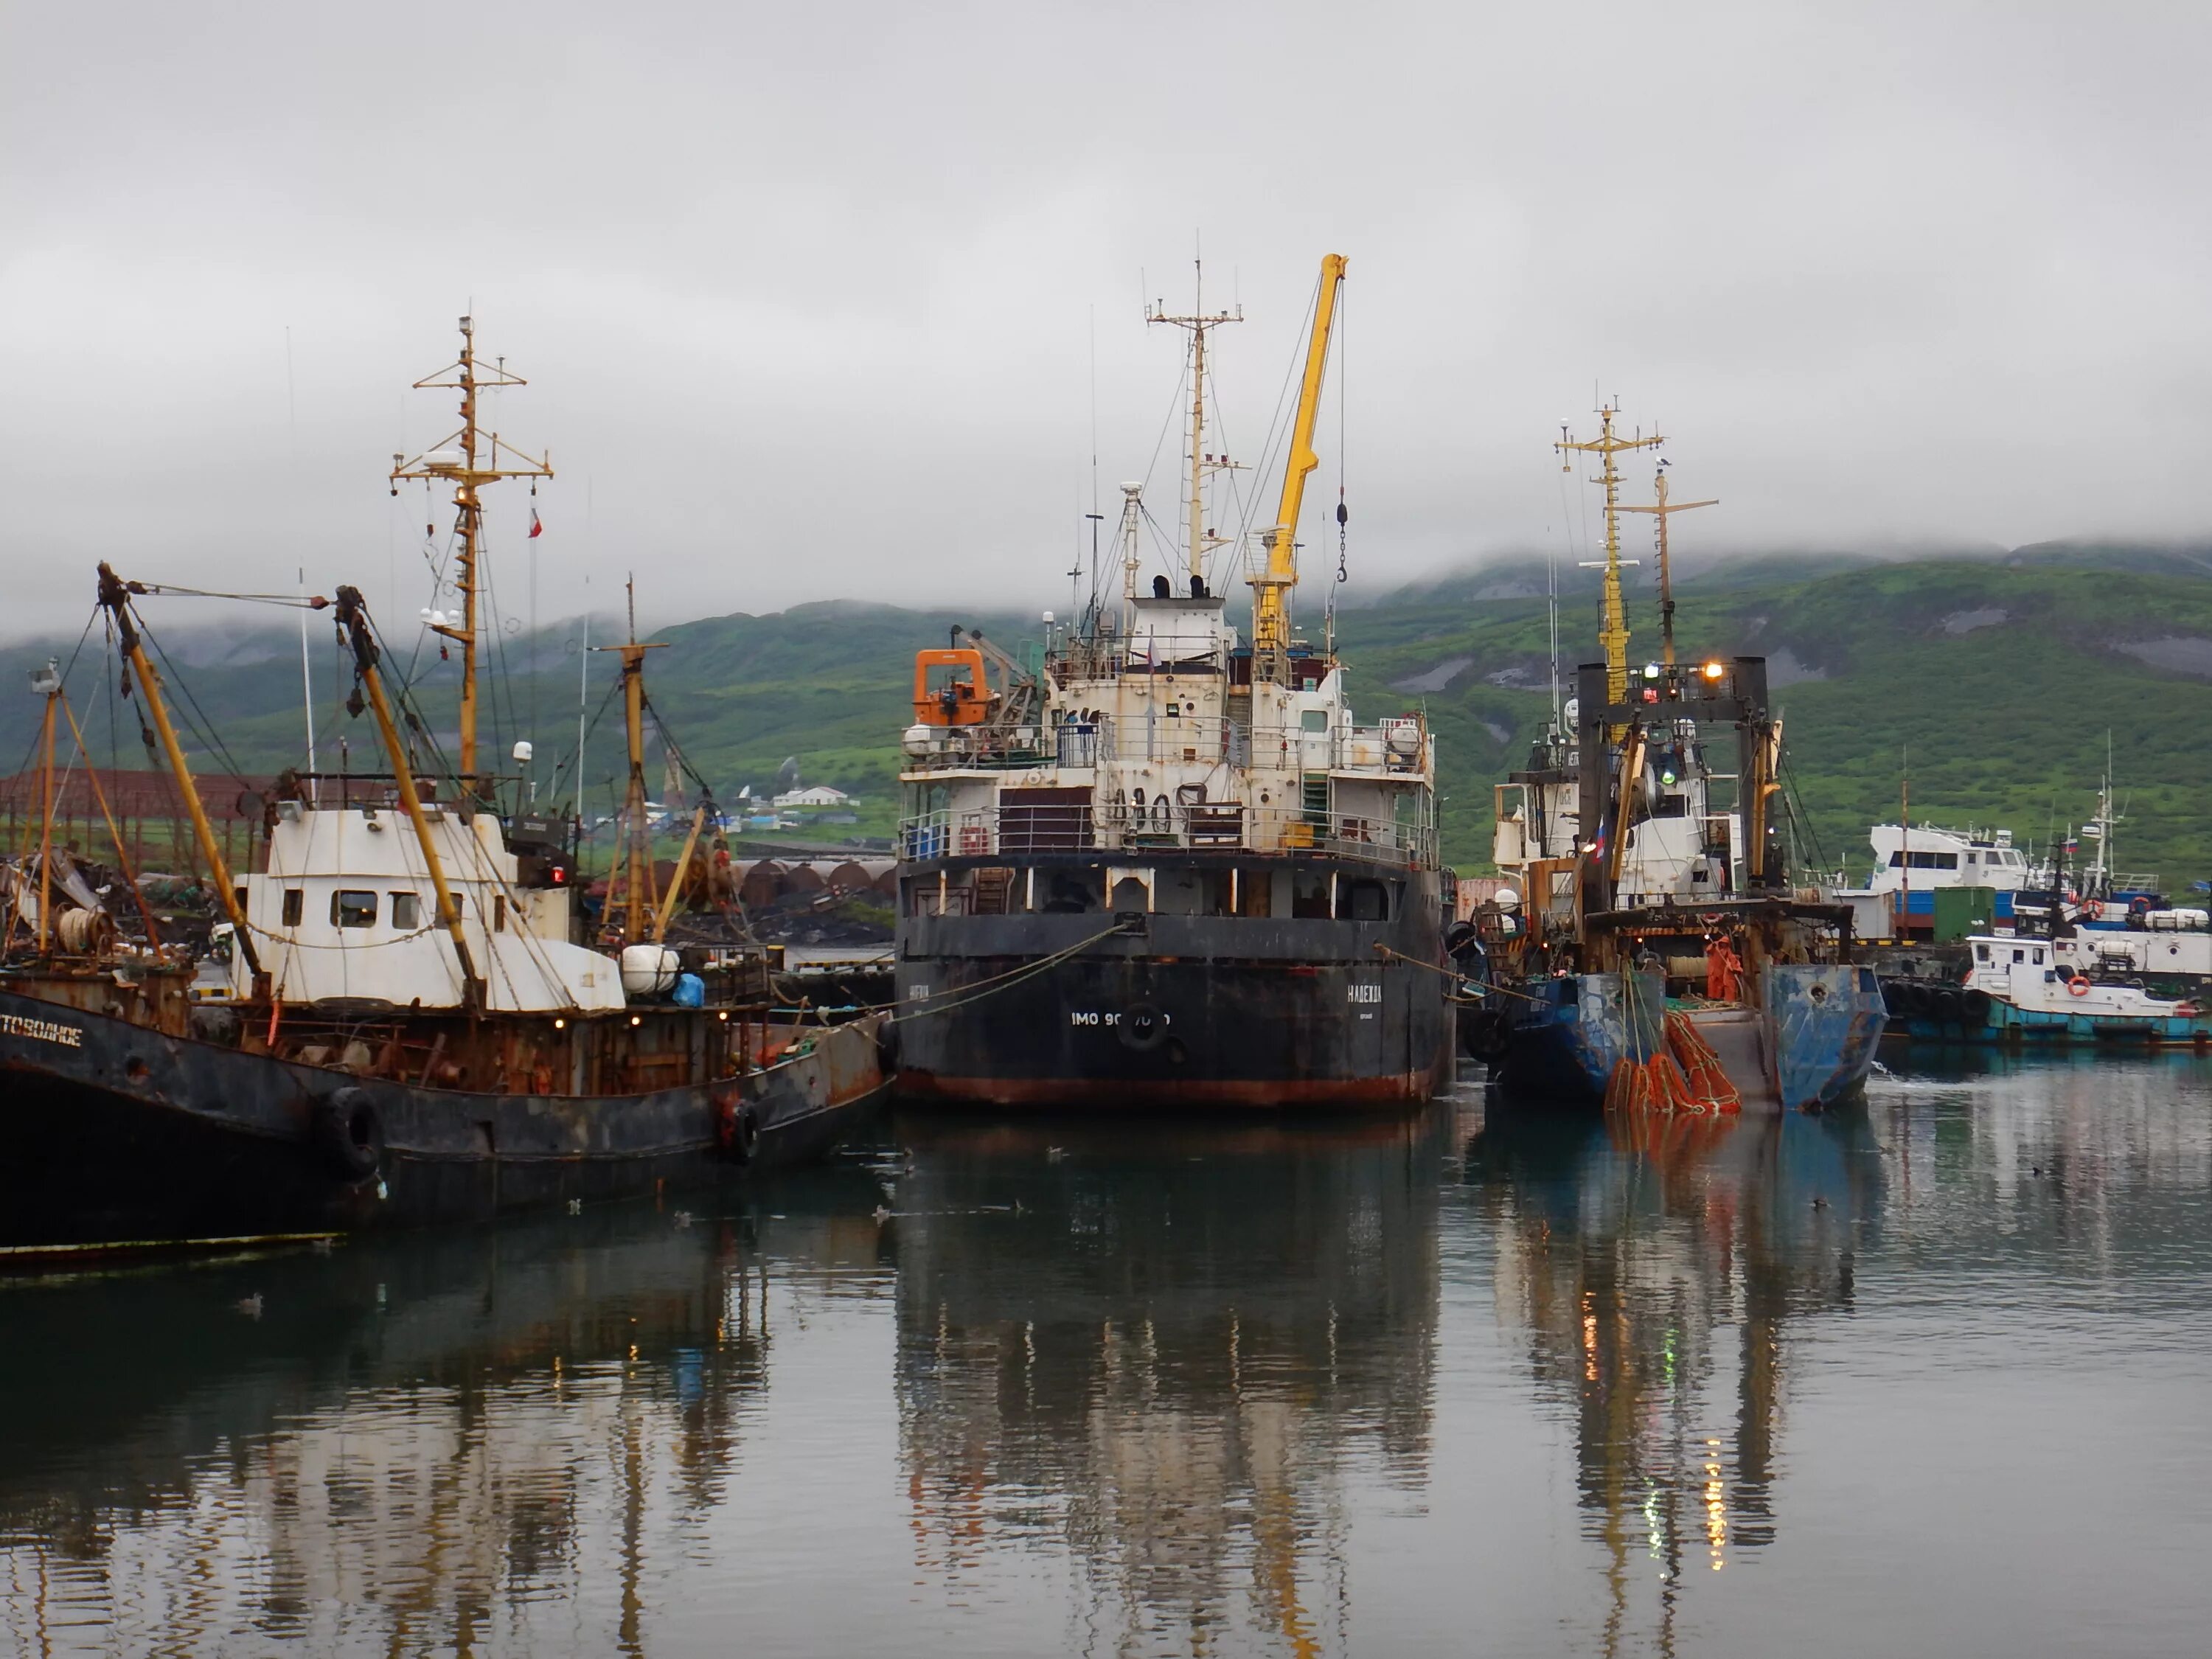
349	1132
1142	1027
1975	1006
737	1129
1485	1036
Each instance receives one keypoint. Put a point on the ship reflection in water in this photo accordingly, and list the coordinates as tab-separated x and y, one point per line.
1925	1376
471	1440
1658	1267
1166	1365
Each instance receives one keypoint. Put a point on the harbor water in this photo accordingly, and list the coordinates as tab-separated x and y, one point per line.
1932	1375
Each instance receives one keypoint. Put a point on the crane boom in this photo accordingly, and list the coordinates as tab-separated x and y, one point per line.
1271	618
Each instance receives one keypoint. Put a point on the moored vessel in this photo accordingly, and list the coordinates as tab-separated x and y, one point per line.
1653	951
407	1027
1160	864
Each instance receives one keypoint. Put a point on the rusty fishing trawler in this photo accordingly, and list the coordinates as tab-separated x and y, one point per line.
1156	864
407	1025
1651	949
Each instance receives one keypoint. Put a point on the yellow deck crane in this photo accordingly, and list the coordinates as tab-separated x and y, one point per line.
1271	585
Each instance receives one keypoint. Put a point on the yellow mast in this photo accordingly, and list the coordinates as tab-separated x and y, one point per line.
475	463
1199	541
1612	632
637	854
1662	510
1271	609
353	618
115	599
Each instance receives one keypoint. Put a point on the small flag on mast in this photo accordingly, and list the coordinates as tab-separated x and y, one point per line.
536	528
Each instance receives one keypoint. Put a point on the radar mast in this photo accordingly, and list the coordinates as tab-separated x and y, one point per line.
469	458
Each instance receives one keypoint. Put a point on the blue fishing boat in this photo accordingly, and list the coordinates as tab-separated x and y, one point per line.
1649	944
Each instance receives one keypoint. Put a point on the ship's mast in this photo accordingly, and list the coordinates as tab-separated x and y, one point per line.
635	851
1662	510
1199	540
469	459
1612	632
1132	524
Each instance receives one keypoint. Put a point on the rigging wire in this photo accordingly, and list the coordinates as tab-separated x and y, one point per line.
1279	424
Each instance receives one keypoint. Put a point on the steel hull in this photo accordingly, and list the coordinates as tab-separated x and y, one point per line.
120	1132
1816	1032
1178	1012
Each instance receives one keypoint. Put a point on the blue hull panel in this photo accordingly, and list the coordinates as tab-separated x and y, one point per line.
1824	1024
1565	1042
1827	1023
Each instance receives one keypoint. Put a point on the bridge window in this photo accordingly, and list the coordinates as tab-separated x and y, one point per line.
294	905
1366	900
1926	860
351	908
406	912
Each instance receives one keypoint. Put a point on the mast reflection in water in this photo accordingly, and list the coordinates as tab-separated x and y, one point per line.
1657	1264
423	1445
1164	1360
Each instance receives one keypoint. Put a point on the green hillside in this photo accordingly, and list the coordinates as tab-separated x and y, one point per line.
2002	675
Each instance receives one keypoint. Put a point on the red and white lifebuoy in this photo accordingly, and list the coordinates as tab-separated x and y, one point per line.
2079	985
2094	910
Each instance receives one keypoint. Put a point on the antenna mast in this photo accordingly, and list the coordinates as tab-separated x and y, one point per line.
1662	511
469	458
634	853
1613	632
1199	539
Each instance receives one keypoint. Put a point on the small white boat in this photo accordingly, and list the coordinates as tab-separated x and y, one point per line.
2025	989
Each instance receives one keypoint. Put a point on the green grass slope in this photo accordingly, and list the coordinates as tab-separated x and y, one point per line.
2002	675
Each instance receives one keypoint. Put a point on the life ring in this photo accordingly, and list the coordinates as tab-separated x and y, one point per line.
2078	985
349	1132
2093	910
2139	906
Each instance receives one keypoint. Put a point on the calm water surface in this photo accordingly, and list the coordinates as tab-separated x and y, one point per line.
1935	1377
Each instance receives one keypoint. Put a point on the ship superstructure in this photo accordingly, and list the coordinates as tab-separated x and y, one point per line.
1158	861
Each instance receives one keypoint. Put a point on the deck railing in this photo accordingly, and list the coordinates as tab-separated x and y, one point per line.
1161	826
1394	748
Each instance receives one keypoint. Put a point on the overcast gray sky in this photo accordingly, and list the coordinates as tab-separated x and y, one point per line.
807	294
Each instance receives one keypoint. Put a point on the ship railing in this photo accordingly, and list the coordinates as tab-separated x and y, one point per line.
1160	823
1111	656
1394	748
2122	882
